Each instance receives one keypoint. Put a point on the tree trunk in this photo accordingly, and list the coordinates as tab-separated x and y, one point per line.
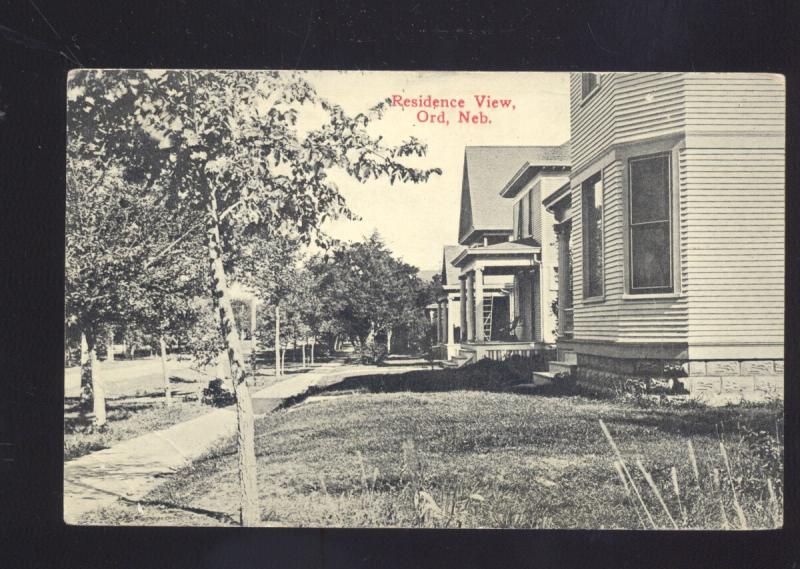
99	394
389	341
86	373
245	428
283	360
313	345
294	350
277	340
167	389
110	345
304	351
253	326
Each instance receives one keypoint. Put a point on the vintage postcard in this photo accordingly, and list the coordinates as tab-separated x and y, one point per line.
424	299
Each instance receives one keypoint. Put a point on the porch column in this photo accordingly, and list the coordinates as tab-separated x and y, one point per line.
478	286
536	303
442	320
470	304
512	299
451	337
562	235
463	308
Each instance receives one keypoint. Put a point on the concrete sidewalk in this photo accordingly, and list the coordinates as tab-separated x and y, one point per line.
133	468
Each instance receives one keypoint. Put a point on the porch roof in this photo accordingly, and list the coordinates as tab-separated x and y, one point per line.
558	195
506	250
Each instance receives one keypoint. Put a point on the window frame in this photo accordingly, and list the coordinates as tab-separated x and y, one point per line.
586	95
629	225
593	178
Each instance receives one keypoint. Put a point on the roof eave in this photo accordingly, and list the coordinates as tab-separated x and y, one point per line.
516	182
482	252
527	173
488	230
557	196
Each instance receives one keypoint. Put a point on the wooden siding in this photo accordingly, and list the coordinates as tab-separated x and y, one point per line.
730	191
591	121
615	318
734	267
627	107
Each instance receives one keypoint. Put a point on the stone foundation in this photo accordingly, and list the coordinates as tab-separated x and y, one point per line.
716	381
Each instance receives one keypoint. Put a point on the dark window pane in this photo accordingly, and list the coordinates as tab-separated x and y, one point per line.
516	221
588	83
650	256
592	191
526	212
649	189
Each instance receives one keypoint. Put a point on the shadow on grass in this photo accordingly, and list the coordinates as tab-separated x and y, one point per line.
114	412
486	375
705	421
176	379
219	516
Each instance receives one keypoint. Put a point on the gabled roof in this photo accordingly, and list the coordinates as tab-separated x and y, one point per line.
487	169
449	271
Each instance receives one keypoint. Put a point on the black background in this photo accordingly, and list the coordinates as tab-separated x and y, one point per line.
41	40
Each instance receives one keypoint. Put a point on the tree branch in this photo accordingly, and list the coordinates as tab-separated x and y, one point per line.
169	247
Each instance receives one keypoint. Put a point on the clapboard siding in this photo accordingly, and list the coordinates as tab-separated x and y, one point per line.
730	191
746	103
735	223
616	319
591	121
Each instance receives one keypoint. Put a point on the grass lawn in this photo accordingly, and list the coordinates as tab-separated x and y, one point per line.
348	457
145	410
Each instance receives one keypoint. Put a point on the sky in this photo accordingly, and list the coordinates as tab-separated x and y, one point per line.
417	220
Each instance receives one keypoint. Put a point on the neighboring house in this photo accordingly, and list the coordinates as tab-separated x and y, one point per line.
673	219
449	305
505	287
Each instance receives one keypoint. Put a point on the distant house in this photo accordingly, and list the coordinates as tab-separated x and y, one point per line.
506	264
671	230
449	304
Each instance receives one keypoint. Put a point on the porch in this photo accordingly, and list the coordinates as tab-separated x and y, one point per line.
498	317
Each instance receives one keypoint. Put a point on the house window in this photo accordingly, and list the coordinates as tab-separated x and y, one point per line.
592	197
525	223
515	215
531	214
589	82
649	224
520	220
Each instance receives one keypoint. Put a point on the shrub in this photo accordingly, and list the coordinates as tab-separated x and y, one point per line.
373	353
216	395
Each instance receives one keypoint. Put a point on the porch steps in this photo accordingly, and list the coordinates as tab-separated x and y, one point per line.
567	365
569	357
461	359
562	367
542	378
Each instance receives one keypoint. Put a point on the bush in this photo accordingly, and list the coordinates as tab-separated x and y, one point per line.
373	353
216	395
